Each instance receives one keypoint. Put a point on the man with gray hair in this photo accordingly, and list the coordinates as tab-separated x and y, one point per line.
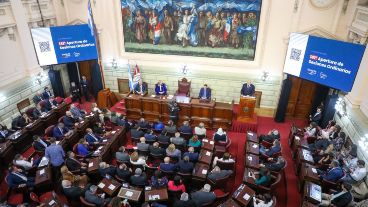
142	145
139	178
203	196
184	201
186	128
200	130
177	140
72	192
271	136
91	196
105	169
217	173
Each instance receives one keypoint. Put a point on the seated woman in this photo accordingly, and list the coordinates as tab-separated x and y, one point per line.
171	151
264	200
225	158
136	160
157	180
264	178
176	184
123	172
76	180
194	141
82	148
311	131
220	136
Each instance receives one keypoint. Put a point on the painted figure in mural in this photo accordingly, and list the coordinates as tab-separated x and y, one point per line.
234	35
176	23
248	38
210	18
153	20
140	25
183	29
216	34
168	27
202	25
128	21
147	14
223	25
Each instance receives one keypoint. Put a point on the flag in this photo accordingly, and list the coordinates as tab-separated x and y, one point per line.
137	74
91	23
131	83
157	29
227	29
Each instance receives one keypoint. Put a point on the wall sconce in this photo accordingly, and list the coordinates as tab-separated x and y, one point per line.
363	142
264	76
345	6
185	70
114	64
40	77
340	107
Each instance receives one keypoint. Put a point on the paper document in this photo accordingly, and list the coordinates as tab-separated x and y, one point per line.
205	140
90	164
250	158
111	187
246	196
250	133
314	170
101	185
42	171
255	145
129	193
212	142
204	171
208	153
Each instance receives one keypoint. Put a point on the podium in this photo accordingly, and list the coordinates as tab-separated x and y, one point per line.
246	108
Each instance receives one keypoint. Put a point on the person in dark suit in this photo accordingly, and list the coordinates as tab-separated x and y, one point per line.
59	131
193	156
106	169
270	137
143	124
275	148
140	88
92	138
69	120
167	166
123	172
39	144
73	192
136	132
47	93
186	128
185	166
217	173
340	198
170	127
4	132
21	121
121	155
316	117
91	196
203	196
163	138
73	164
333	174
38	112
84	86
142	145
205	92
274	166
220	136
178	140
139	178
155	149
150	136
17	178
184	201
160	88
74	90
248	89
37	98
50	104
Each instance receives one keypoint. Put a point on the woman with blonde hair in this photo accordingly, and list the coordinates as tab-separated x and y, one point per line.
76	180
171	151
136	160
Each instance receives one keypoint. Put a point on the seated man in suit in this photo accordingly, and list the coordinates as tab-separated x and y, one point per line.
21	121
17	178
21	161
143	124
73	164
60	131
160	88
91	138
155	149
107	170
185	166
163	138
205	93
170	127
38	112
139	178
136	132
77	113
150	136
4	132
39	144
167	166
203	196
341	198
333	174
193	156
248	89
50	104
186	128
91	196
274	164
69	120
73	192
275	148
177	140
317	116
357	174
217	173
270	137
121	155
140	88
37	98
47	93
82	148
142	145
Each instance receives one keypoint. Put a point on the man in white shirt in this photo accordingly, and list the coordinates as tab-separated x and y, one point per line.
200	130
21	161
357	174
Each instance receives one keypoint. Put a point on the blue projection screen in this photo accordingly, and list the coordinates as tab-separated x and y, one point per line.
328	62
57	45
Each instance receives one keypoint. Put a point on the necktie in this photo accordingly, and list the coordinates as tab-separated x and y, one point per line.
160	88
94	137
21	176
204	94
43	143
61	131
141	89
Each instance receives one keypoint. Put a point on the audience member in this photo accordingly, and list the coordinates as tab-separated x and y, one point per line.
170	127
333	174
136	160
220	136
91	196
264	178
171	151
217	173
177	140
55	154
159	126
74	164
143	124
136	132
142	145
167	166
59	131
121	155
163	138
200	129
38	111
193	156
341	198
176	184
203	196
184	201
186	129
155	149
149	136
271	136
21	161
82	148
185	166
50	104
158	180
69	120
139	178
73	192
37	98
274	166
263	200
76	180
17	178
226	157
356	175
114	117
91	138
311	131
47	93
39	144
194	141
123	172
21	121
77	113
106	170
275	148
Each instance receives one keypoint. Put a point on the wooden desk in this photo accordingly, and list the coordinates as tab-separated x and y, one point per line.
243	195
61	109
222	115
229	203
36	128
52	202
20	140
200	171
312	193
303	156
252	161
246	177
208	145
308	173
130	194
253	148
202	112
110	187
82	126
7	153
43	178
158	194
51	118
205	157
252	137
93	165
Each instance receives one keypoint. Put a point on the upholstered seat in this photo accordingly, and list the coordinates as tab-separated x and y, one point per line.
183	87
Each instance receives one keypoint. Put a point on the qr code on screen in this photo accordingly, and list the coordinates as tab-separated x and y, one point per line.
295	54
44	46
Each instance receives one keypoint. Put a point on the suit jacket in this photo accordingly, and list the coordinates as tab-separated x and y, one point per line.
36	113
142	146
186	129
161	91
108	171
82	150
274	166
36	99
178	141
77	113
208	93
122	156
316	117
220	138
48	105
39	146
14	180
91	139
342	200
273	150
92	198
247	91
47	94
72	164
144	124
163	138
138	180
123	174
201	197
168	167
69	122
57	133
156	150
150	137
136	133
137	88
185	167
188	203
73	193
333	174
84	84
193	157
219	175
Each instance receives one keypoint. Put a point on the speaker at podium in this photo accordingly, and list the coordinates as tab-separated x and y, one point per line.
246	108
